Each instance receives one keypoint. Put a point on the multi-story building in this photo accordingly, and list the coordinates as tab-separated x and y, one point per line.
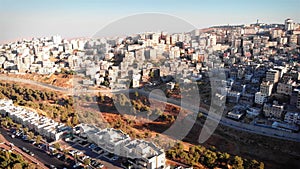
289	24
292	117
272	75
110	139
142	154
247	99
44	126
233	96
286	86
266	88
260	98
273	110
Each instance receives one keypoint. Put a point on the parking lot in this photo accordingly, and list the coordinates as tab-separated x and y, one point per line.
92	151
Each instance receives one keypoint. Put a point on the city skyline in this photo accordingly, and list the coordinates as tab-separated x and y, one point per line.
85	18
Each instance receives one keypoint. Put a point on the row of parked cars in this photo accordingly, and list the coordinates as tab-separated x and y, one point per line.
20	134
79	163
92	147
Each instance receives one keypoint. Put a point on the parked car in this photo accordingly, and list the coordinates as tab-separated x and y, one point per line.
52	167
73	152
115	158
79	153
100	165
77	165
31	153
25	149
92	146
59	155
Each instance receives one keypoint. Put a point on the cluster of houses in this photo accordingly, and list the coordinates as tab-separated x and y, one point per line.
46	127
140	153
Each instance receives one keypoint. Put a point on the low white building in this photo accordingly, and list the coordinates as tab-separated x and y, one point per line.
143	154
260	98
136	80
109	139
44	126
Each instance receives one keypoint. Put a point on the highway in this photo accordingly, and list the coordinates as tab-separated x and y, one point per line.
187	106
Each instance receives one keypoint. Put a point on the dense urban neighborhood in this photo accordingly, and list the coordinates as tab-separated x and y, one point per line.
258	90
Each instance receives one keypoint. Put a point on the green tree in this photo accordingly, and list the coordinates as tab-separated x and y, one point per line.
224	157
101	96
18	127
25	130
158	112
86	161
210	158
64	116
75	120
31	166
65	151
30	135
38	139
237	163
17	166
136	94
4	123
261	165
56	146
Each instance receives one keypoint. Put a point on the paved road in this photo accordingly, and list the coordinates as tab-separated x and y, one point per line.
6	145
39	154
226	122
52	87
159	98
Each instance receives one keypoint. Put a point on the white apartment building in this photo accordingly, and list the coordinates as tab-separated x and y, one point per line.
140	154
44	126
272	75
109	139
143	154
266	88
289	24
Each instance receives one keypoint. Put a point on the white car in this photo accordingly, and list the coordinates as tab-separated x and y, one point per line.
79	153
77	165
101	165
73	152
59	155
85	157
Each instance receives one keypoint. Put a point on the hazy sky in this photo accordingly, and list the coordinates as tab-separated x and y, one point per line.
83	18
